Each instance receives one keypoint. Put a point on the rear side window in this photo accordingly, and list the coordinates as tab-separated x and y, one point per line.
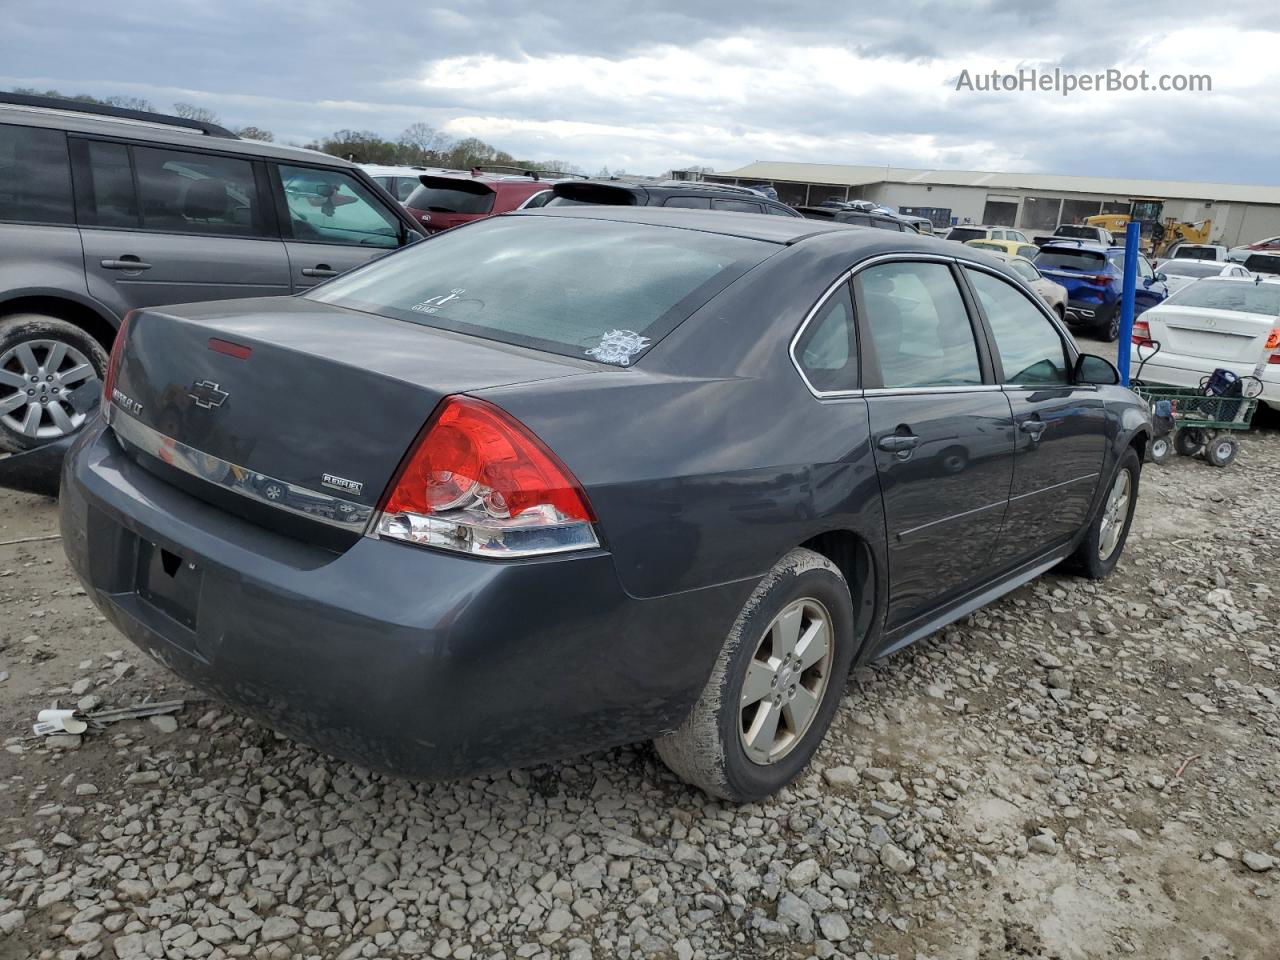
35	175
1087	261
779	211
459	196
857	219
692	203
592	289
919	325
737	206
880	224
827	350
1030	349
329	206
197	193
537	200
401	187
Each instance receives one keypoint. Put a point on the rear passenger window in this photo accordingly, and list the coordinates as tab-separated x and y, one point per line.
779	211
112	201
737	206
35	175
403	186
919	326
693	203
827	350
197	193
887	225
1030	349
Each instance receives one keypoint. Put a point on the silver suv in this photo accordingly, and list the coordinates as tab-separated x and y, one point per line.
103	210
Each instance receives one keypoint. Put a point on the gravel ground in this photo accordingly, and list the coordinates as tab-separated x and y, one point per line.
1080	770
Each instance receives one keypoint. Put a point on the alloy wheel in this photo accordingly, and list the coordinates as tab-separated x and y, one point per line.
786	681
36	379
1114	514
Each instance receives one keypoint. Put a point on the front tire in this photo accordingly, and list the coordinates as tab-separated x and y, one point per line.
775	686
1161	449
42	361
1103	543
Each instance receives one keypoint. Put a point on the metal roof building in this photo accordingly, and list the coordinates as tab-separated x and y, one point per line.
1035	201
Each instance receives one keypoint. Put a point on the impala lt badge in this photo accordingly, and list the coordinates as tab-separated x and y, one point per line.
207	394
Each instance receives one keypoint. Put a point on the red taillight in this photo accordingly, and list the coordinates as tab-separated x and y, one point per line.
1273	339
113	364
1141	332
1102	278
480	482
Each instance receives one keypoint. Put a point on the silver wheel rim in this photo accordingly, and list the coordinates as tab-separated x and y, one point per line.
36	378
1114	514
1159	447
1223	450
786	681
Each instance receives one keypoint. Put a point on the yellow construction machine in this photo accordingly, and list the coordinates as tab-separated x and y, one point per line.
1157	236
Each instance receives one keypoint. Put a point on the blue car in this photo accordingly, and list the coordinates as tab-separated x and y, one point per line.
1094	277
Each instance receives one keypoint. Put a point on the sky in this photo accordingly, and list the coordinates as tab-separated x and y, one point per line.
661	85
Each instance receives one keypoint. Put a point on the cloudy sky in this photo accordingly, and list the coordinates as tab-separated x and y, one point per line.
661	84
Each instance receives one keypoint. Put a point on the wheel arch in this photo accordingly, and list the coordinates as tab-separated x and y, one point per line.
854	556
94	320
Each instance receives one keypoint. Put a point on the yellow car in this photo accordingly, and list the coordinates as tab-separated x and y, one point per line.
1011	248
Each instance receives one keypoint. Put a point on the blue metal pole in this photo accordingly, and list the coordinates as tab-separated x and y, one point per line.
1126	299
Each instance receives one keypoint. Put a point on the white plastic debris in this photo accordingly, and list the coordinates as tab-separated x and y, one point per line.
59	721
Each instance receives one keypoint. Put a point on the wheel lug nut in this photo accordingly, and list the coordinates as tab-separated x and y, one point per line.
49	378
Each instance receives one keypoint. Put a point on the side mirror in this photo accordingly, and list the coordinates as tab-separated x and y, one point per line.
1092	369
1162	277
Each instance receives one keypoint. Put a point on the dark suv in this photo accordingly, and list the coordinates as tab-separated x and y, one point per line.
450	199
104	210
671	193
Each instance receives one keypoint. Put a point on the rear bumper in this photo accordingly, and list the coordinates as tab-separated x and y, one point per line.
1183	371
394	657
1091	313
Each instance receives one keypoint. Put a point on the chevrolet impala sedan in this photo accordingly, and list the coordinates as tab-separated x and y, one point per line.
571	478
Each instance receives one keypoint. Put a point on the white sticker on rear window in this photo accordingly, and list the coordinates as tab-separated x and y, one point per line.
618	346
433	304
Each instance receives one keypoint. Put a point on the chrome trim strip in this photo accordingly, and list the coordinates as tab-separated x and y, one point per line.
844	278
954	516
900	391
1055	486
289	497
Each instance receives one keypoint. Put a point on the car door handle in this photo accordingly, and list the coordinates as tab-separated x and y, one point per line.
127	262
898	442
1033	427
319	270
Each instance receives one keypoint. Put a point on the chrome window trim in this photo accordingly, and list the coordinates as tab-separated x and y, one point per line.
813	311
335	511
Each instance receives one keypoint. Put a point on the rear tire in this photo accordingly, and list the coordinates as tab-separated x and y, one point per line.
1188	441
42	359
1110	331
1103	543
711	748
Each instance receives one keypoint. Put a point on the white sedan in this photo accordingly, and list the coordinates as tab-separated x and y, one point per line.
1225	322
1179	273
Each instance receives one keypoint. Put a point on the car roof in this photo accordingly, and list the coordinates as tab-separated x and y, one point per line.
752	226
159	132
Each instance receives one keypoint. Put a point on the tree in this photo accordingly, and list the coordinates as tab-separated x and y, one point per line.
362	146
472	151
190	111
131	103
422	143
255	133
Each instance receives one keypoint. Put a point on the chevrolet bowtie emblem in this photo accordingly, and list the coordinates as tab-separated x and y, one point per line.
207	394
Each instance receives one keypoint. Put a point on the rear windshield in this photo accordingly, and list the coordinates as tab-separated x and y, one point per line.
1262	264
966	233
464	198
1090	261
1242	295
595	289
571	194
1195	253
1175	268
1084	233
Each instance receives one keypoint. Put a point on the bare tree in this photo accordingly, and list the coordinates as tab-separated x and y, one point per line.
255	133
131	103
423	142
190	111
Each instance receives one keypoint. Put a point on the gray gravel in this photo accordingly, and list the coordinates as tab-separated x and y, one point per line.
1081	770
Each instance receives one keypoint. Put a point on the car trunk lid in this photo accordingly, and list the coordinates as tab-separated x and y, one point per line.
1222	335
294	401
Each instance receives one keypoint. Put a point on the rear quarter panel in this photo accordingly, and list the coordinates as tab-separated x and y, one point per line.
710	460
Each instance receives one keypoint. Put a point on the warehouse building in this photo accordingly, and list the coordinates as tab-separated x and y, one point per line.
1033	201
